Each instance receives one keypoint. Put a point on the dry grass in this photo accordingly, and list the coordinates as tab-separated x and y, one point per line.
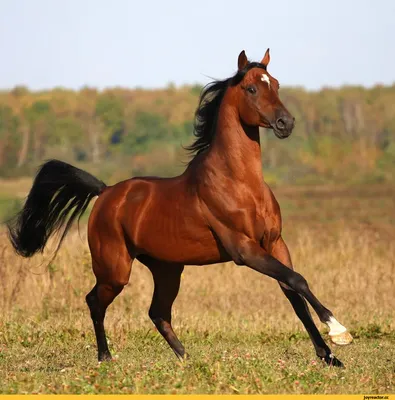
349	263
17	187
352	274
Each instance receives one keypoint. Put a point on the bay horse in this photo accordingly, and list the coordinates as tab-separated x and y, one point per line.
219	209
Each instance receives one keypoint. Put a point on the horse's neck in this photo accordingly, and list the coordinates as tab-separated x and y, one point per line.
235	150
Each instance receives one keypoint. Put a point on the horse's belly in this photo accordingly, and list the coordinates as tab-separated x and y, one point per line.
192	245
183	251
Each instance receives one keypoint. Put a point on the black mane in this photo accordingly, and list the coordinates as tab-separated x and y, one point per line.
207	112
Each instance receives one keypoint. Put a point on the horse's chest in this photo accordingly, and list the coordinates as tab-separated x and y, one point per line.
268	222
256	218
270	232
244	211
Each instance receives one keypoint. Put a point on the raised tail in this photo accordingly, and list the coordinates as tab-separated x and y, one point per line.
59	195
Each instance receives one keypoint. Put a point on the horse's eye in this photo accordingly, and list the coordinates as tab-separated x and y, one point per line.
251	89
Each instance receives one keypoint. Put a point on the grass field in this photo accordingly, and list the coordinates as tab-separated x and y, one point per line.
239	330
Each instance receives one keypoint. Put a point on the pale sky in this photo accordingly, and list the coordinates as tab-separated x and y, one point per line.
101	43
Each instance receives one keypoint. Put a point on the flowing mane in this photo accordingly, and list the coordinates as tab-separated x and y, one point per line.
207	112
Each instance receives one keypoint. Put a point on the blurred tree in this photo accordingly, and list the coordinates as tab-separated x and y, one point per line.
6	121
109	111
41	120
348	129
146	127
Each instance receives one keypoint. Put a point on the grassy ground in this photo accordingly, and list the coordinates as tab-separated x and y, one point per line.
239	330
49	357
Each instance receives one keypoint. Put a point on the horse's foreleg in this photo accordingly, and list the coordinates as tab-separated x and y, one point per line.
167	283
281	253
247	252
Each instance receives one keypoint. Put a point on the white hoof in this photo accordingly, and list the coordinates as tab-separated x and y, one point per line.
338	333
341	339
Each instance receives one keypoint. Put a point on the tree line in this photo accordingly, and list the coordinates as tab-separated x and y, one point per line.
344	134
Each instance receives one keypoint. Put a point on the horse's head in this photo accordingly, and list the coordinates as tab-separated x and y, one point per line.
259	103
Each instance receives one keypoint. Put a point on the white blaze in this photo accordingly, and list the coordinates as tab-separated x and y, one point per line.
265	78
335	327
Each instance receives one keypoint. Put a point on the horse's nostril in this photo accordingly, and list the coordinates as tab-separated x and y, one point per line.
280	124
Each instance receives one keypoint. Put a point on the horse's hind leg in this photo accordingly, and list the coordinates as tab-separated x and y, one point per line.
98	299
111	279
167	283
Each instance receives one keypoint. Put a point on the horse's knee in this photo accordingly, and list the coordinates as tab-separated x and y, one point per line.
154	312
91	297
298	283
158	312
94	305
154	315
101	296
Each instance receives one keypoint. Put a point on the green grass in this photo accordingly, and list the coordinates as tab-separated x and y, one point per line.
45	357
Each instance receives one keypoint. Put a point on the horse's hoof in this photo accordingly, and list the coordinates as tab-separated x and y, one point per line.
332	361
182	357
105	357
341	339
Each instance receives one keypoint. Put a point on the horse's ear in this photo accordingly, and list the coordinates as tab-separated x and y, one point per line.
242	60
266	58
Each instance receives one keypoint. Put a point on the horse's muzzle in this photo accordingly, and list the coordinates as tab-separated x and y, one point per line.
283	126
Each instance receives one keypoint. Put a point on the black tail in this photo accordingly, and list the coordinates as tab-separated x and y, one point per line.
58	190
